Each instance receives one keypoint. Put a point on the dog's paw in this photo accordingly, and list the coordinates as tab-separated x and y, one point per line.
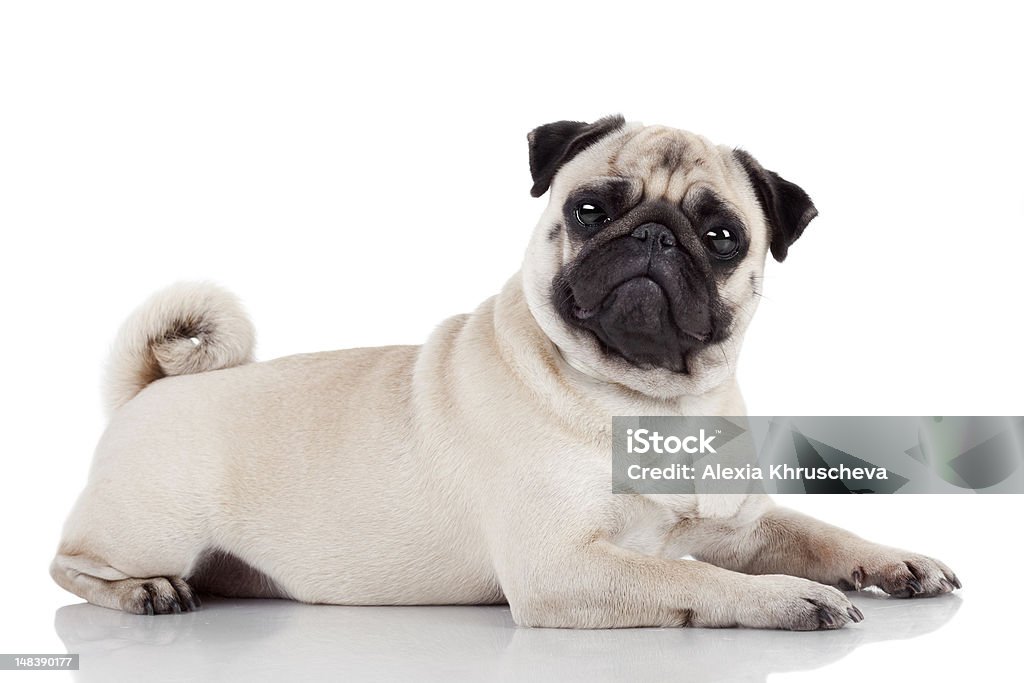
902	575
157	595
795	604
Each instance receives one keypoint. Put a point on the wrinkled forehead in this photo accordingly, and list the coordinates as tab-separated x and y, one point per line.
661	162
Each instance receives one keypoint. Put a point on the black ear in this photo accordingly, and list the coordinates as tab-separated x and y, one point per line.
786	206
554	144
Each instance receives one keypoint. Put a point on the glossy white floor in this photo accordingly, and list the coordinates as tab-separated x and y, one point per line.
967	634
277	640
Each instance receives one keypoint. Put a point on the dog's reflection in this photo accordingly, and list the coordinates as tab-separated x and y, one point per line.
282	640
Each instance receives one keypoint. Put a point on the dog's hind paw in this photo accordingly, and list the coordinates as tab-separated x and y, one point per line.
157	595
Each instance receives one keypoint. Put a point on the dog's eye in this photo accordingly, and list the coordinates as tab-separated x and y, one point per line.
591	215
721	242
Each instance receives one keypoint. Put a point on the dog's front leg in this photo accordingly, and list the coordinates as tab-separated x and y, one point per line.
603	586
783	541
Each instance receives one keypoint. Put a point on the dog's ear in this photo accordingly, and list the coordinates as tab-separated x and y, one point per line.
787	208
555	144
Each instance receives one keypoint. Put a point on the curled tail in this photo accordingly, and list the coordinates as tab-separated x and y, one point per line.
187	328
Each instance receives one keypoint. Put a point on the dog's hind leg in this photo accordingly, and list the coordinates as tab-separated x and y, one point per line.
103	585
129	543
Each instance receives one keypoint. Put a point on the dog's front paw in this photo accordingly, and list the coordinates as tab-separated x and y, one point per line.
791	603
902	575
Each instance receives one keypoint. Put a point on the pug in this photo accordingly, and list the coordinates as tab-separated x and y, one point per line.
477	468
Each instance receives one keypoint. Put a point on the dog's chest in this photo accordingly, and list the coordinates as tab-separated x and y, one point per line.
658	523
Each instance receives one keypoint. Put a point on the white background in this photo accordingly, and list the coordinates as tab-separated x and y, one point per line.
358	172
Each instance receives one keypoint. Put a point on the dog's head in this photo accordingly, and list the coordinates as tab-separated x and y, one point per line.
646	266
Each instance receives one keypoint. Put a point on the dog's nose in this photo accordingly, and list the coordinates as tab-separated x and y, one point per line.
657	233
